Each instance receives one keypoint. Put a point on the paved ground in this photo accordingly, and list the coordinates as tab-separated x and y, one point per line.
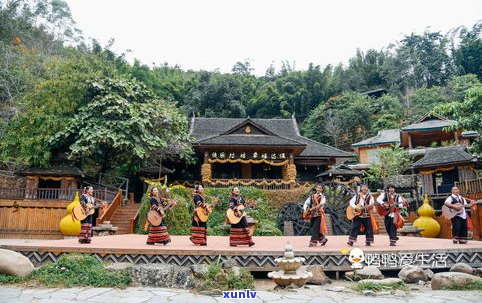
313	294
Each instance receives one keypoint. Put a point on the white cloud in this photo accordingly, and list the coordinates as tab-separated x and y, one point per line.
210	34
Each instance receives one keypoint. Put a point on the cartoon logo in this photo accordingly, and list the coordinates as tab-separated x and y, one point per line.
356	257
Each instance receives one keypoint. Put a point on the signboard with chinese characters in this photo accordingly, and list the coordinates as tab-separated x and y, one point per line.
272	156
398	260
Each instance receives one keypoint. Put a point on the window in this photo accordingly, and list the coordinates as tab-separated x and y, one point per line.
372	155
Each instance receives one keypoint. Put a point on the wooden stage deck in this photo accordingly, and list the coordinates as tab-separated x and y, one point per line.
430	253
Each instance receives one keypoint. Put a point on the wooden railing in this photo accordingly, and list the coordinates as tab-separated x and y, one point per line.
50	194
470	186
110	210
31	219
133	223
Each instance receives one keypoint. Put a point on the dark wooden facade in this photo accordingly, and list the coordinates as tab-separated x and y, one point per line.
269	152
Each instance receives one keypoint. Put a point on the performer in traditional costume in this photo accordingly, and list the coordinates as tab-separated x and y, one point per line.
199	229
86	230
313	210
158	234
391	203
460	221
239	232
362	222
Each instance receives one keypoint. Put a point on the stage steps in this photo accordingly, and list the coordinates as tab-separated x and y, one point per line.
122	216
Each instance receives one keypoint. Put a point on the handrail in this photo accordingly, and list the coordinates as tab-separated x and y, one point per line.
109	212
470	186
133	223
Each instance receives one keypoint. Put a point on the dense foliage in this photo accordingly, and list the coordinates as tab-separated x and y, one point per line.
72	270
393	161
53	82
179	220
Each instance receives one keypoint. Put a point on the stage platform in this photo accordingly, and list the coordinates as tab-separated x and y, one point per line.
430	253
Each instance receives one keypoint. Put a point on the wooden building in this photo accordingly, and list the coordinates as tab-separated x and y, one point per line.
441	167
367	149
428	132
433	130
261	152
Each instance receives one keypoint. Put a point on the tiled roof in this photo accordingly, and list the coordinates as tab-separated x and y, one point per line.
444	156
388	136
209	131
55	169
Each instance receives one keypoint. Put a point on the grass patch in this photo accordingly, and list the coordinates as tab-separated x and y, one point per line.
79	270
217	277
9	279
471	286
374	286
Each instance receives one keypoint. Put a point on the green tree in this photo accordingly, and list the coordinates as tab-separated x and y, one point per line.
45	109
458	86
467	113
423	101
467	56
122	123
392	161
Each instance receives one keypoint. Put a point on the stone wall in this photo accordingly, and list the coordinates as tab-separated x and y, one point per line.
12	181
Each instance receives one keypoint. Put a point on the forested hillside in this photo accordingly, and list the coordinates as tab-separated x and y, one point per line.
62	93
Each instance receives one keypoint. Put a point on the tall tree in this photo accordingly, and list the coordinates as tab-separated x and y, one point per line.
122	123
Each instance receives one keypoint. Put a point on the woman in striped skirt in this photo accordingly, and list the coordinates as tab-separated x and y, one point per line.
239	232
199	230
86	224
157	234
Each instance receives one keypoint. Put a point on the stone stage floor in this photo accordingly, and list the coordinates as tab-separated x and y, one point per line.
426	252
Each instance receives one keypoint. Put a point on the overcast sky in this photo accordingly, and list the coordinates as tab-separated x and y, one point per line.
215	34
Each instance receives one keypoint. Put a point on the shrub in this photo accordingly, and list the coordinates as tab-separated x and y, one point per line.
179	220
217	277
374	286
79	270
9	279
471	286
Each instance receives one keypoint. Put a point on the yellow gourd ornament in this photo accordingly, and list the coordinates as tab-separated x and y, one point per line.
68	225
431	227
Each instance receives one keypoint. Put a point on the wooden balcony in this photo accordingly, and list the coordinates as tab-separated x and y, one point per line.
50	194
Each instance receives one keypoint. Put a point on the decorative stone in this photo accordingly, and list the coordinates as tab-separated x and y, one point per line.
289	253
412	274
368	272
157	275
478	272
319	277
13	263
462	267
429	273
290	270
430	226
445	280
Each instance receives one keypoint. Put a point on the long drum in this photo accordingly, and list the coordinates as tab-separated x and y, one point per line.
154	218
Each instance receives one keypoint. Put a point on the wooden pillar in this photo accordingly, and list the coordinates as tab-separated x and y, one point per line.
409	140
31	187
206	170
456	137
477	221
246	171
